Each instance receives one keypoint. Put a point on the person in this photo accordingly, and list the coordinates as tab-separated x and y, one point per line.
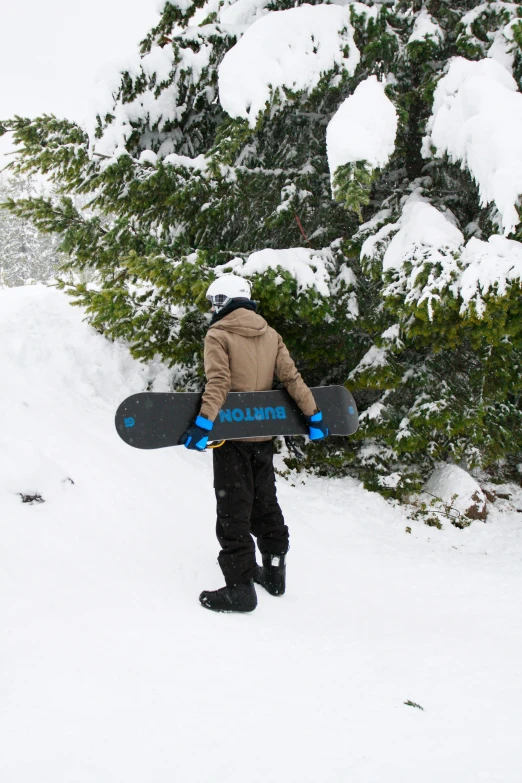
243	353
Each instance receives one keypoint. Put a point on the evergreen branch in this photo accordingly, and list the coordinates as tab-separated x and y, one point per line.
46	215
56	148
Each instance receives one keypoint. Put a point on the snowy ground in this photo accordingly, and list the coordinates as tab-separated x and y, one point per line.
111	671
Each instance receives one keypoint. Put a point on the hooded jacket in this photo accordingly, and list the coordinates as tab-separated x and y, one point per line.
243	353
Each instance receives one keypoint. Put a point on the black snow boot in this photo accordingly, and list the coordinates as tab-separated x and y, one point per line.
232	598
272	574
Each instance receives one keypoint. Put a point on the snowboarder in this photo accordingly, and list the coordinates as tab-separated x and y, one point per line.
243	353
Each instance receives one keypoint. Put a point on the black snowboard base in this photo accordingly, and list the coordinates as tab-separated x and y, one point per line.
154	420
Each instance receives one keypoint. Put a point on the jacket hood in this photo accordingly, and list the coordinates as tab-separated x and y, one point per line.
244	322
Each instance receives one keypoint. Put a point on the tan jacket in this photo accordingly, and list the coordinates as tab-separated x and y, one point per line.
243	353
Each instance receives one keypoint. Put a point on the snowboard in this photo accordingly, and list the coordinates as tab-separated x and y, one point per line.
154	420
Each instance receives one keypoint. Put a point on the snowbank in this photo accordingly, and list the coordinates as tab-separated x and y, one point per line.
477	116
363	128
47	338
285	50
111	670
450	480
29	473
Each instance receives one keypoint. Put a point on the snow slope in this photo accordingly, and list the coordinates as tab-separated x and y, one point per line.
111	671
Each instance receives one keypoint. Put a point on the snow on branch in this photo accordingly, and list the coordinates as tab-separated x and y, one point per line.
425	29
424	254
308	267
420	225
477	117
472	16
243	12
499	43
161	66
489	267
289	50
422	237
362	129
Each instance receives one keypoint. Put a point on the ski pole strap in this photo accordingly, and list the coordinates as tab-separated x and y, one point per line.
215	445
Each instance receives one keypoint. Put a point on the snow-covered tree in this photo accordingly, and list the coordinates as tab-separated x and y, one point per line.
362	163
26	254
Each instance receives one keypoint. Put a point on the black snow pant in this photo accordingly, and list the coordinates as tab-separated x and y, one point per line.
244	482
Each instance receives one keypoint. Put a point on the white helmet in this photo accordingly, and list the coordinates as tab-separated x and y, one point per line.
227	287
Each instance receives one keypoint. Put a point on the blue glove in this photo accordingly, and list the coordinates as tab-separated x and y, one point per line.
196	437
317	430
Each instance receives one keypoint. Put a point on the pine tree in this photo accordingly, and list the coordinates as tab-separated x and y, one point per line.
182	186
446	376
26	255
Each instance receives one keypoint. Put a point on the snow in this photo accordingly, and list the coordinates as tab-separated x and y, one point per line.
490	267
148	156
392	333
285	50
420	226
276	51
391	481
183	5
240	14
150	106
199	163
379	217
374	412
25	470
363	128
347	276
477	115
449	480
309	268
108	82
375	357
243	12
490	7
159	61
502	48
425	234
374	242
425	28
112	671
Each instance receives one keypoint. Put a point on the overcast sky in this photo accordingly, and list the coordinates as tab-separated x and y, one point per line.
52	50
